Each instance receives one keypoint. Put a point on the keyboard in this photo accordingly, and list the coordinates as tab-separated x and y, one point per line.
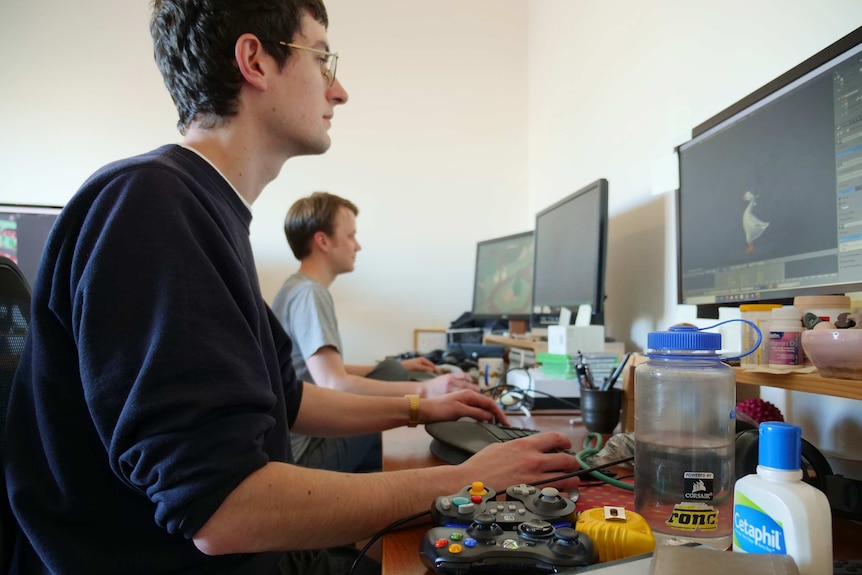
455	441
846	566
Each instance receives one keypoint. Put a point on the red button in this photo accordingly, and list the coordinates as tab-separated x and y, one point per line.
440	543
476	499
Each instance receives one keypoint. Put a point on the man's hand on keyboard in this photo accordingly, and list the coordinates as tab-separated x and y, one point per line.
530	460
447	383
458	404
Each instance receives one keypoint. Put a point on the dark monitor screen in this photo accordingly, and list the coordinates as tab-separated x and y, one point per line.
503	286
770	196
23	233
571	248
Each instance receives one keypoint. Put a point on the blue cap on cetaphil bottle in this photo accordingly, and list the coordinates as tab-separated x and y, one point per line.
780	445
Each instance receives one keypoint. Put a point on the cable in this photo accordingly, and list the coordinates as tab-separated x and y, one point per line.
383	532
588	451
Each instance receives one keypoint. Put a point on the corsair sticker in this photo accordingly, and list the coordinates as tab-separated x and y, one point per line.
698	486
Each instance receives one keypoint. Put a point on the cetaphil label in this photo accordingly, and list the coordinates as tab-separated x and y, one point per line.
756	532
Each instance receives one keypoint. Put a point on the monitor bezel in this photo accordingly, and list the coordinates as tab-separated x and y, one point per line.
499	316
601	187
785	297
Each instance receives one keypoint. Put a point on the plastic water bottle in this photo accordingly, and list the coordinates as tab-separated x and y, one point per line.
684	438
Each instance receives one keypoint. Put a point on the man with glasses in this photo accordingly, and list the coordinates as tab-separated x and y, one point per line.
149	421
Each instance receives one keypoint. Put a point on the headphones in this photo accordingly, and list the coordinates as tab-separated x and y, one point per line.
844	494
815	468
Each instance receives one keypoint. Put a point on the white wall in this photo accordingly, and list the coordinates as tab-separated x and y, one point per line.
614	87
432	145
464	119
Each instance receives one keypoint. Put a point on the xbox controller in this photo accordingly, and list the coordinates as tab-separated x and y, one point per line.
523	503
534	546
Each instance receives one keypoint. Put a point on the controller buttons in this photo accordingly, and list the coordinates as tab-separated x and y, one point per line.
511	544
477	499
478	488
522	490
466	509
470	542
458	501
456	536
440	543
445	504
455	548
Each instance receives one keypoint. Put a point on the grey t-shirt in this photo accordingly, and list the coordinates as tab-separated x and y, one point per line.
306	310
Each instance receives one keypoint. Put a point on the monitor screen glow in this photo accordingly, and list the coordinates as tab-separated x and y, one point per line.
24	231
503	284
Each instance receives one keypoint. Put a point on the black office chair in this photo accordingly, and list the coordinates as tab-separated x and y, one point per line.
14	324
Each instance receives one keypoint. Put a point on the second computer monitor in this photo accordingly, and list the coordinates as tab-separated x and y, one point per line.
503	286
23	233
570	255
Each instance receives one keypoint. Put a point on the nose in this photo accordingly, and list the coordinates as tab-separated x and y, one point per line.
336	93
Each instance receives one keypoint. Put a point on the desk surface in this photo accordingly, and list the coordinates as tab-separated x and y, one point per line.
405	448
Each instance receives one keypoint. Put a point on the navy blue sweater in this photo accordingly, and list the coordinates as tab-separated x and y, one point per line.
155	378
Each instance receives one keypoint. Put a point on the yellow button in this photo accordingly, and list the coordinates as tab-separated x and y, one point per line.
478	488
455	548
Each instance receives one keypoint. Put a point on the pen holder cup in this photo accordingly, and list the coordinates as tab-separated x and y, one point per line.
600	410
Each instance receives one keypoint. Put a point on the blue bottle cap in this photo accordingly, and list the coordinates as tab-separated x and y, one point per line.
780	445
684	337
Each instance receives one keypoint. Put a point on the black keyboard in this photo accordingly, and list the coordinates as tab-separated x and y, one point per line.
845	566
455	441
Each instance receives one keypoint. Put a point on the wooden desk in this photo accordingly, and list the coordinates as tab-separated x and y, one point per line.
406	448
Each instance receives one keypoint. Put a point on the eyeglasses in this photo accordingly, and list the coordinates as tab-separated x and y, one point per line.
328	60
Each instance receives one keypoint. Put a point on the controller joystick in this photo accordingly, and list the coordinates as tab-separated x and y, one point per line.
535	529
484	528
546	504
567	541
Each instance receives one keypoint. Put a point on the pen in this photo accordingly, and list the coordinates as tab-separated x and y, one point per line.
609	383
487	373
584	376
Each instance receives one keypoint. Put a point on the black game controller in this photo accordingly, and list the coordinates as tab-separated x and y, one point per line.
523	503
535	546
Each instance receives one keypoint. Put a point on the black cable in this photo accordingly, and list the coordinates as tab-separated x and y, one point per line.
383	532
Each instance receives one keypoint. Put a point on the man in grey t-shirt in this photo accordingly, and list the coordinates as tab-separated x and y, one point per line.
321	231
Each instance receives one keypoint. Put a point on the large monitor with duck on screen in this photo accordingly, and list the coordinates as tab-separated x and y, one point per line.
770	192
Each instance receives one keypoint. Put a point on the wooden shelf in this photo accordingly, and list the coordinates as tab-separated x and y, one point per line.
807	382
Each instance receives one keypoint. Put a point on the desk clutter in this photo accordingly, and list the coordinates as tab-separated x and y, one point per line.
532	529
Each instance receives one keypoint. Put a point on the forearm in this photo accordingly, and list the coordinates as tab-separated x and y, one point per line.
364	386
279	507
330	413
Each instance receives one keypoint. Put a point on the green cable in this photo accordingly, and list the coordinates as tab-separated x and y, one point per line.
587	451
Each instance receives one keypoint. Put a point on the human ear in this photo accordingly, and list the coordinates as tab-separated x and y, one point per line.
249	55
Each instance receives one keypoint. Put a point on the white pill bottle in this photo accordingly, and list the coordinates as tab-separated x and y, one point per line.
774	511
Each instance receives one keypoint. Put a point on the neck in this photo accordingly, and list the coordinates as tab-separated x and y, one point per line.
243	158
318	271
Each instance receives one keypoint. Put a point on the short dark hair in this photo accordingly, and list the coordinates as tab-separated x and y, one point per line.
312	214
194	40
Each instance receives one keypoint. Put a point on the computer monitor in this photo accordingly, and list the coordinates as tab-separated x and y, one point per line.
570	255
770	196
23	233
503	285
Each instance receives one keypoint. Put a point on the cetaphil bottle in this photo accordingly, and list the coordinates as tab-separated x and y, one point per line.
774	511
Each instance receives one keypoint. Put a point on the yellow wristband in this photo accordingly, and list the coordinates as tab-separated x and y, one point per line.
413	418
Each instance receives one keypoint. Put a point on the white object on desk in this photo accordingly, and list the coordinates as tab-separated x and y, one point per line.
571	339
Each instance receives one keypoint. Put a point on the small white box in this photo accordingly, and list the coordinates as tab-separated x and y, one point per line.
571	339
